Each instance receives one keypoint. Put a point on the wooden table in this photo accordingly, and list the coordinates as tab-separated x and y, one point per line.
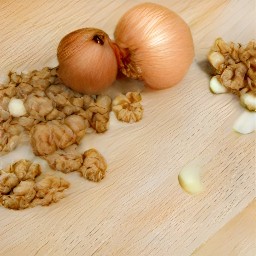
139	208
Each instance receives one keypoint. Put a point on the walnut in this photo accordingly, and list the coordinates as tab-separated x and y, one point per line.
22	195
26	122
4	115
14	77
4	103
77	125
59	94
128	108
42	140
7	182
8	143
78	102
233	76
236	64
100	110
24	170
23	90
94	165
55	114
8	91
19	190
64	161
46	138
38	107
70	109
49	190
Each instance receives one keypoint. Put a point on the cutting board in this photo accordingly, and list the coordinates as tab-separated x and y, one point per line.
139	208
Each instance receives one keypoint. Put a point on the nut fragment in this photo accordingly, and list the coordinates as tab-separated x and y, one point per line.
128	107
94	165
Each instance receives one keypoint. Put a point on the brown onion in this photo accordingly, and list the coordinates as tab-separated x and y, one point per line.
153	44
87	62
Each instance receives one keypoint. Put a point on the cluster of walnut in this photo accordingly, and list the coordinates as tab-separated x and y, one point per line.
90	164
21	186
235	67
54	118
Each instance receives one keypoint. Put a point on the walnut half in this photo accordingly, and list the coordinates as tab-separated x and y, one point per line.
128	108
94	165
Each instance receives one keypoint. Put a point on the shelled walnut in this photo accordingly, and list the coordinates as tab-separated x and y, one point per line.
235	66
100	110
49	190
46	138
128	107
90	164
46	99
94	165
64	161
24	170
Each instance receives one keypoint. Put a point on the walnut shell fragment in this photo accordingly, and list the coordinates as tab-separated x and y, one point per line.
128	108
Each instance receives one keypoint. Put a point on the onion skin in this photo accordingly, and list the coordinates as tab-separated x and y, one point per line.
153	44
87	62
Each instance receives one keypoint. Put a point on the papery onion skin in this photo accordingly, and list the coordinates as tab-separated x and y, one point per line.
87	63
153	44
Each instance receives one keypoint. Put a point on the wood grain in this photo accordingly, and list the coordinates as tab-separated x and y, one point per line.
139	208
237	237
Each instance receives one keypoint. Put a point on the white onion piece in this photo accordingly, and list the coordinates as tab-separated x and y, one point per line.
16	107
216	86
190	179
246	123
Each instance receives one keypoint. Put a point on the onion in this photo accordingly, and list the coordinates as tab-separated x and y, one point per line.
87	63
153	44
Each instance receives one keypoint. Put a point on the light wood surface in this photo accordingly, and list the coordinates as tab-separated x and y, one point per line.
226	242
139	208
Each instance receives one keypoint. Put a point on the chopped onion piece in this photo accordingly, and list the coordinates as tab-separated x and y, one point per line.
246	123
16	107
216	86
190	179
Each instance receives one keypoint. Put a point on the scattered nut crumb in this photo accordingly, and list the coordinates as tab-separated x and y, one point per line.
128	107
